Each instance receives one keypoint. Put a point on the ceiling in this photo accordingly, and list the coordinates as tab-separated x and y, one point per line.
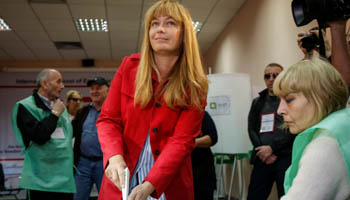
37	26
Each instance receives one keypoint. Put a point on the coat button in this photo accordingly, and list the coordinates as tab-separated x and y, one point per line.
154	130
158	105
157	152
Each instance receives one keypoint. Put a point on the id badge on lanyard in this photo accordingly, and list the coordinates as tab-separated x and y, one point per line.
267	123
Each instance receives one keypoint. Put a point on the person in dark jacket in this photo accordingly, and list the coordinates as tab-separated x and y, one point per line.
87	149
204	177
42	127
272	144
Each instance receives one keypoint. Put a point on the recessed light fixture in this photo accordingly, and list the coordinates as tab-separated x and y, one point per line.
91	25
4	26
197	26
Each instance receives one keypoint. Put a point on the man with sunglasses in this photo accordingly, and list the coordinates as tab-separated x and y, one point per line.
272	151
87	149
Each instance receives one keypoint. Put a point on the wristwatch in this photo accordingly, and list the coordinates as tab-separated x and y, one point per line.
54	112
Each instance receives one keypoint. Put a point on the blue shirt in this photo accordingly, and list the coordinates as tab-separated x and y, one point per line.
45	101
90	146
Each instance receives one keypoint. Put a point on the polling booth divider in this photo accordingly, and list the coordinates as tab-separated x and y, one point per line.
228	103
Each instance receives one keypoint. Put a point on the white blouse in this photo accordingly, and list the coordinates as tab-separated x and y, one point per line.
322	173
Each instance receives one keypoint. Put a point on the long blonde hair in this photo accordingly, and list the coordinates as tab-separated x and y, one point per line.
186	77
320	83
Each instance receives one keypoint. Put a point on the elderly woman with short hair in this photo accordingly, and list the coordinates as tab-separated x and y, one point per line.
313	100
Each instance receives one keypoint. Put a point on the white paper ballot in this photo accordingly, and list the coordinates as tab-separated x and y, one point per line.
125	190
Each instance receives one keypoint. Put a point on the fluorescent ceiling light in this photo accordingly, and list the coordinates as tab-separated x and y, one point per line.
197	26
4	26
91	25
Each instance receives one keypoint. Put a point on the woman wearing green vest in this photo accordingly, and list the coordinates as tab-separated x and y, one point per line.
313	100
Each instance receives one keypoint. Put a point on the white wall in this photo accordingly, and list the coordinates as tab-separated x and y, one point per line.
262	31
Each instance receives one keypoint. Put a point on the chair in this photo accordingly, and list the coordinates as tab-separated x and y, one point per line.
3	190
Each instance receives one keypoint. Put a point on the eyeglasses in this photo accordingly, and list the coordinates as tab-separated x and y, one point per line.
268	76
74	99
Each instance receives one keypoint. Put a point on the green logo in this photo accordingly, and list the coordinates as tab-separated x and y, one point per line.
212	105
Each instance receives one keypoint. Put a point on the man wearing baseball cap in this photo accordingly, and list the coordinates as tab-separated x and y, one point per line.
87	149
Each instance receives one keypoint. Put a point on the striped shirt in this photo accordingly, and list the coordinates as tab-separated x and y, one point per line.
143	166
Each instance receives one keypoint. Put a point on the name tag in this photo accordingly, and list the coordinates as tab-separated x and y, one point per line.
58	134
267	123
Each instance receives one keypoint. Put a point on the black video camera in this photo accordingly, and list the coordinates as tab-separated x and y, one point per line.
304	11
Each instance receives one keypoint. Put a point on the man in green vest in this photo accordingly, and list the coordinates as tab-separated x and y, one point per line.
42	127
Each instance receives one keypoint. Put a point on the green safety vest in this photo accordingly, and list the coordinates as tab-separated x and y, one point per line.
47	167
337	125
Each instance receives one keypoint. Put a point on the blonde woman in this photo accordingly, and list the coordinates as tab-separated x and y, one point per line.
154	110
73	102
313	99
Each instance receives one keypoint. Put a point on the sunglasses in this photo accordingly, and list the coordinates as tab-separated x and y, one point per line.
268	76
74	99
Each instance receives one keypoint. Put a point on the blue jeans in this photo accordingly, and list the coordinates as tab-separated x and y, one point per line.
89	172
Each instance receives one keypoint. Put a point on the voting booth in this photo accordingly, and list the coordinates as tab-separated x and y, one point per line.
228	103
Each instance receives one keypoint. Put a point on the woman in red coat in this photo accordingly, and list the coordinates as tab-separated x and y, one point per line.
154	110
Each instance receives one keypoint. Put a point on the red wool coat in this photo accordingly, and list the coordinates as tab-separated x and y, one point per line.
123	128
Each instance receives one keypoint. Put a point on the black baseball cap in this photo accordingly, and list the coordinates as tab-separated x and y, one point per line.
98	80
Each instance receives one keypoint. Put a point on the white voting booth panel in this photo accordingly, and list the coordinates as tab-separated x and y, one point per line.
228	103
229	100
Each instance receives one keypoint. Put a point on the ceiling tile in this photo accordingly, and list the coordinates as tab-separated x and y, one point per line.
123	12
95	36
124	25
96	44
199	9
225	10
148	3
124	2
99	54
59	25
3	2
33	36
4	55
64	36
47	54
75	54
51	11
40	44
8	37
122	48
24	24
17	11
86	2
21	53
119	55
211	30
122	36
88	11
